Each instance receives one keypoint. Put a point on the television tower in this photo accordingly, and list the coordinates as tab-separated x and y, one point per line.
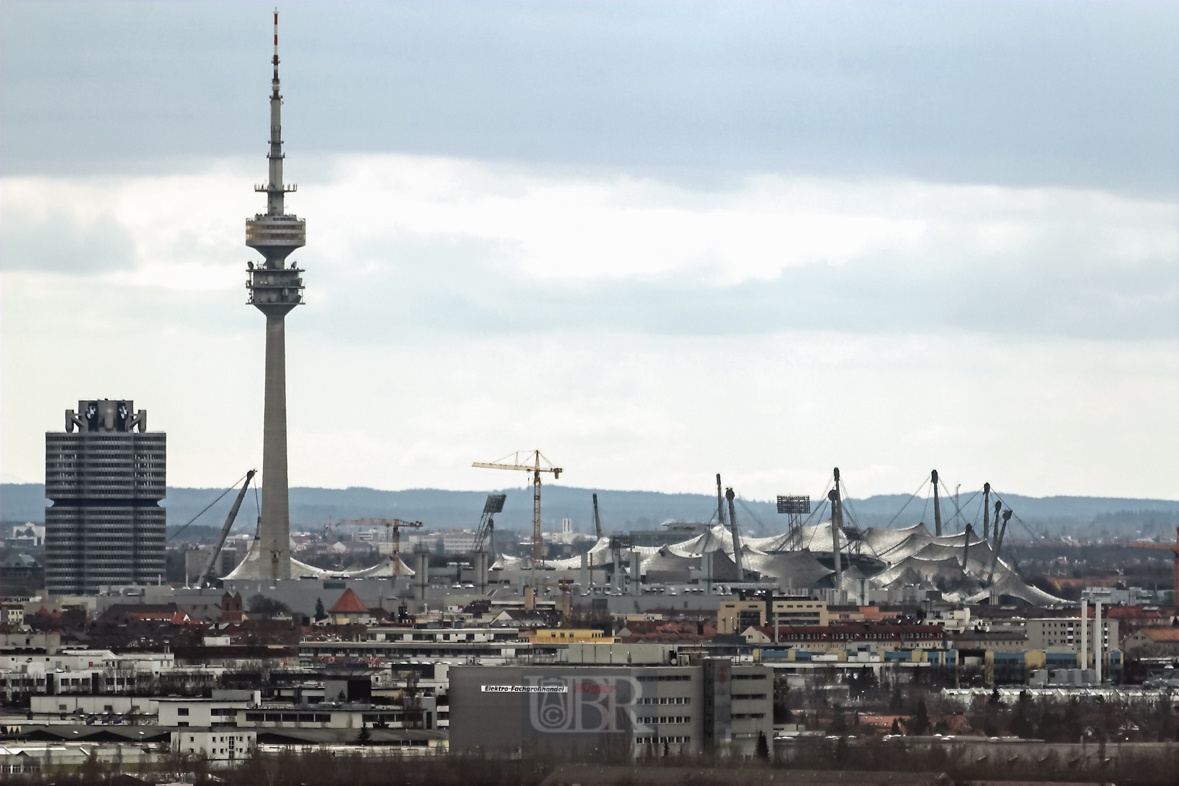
275	289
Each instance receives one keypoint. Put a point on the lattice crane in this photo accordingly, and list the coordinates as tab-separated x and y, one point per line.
394	525
1171	547
530	461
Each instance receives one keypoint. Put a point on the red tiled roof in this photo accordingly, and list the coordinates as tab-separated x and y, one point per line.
1161	634
348	604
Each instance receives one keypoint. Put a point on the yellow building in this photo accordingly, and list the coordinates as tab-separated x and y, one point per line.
735	616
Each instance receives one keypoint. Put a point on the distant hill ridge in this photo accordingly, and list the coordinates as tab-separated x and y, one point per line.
625	510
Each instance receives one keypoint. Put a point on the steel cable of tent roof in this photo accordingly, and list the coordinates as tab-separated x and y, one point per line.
855	521
822	506
957	510
964	504
211	504
814	512
912	497
822	500
845	498
925	507
764	529
977	513
818	510
1017	518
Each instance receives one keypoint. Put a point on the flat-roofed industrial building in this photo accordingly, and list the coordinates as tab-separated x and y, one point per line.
686	707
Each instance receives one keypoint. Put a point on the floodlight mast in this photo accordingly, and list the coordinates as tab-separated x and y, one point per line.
520	461
486	531
795	507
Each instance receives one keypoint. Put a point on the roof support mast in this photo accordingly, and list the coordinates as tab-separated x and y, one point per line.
836	526
737	558
720	505
207	577
986	513
937	507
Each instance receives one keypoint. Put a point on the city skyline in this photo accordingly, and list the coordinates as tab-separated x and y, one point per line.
653	243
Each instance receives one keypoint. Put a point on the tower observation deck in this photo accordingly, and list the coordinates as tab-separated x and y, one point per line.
275	288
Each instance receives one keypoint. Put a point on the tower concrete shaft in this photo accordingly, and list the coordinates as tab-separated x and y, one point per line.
275	289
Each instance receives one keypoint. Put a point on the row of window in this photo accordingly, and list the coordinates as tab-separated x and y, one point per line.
754	696
662	740
654	720
291	717
28	768
665	700
665	678
744	715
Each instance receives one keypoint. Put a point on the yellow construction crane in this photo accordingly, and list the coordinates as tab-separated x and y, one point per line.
531	461
394	525
1171	547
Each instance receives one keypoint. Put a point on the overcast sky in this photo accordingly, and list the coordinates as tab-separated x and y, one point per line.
655	241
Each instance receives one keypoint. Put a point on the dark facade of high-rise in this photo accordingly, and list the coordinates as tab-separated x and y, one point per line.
105	475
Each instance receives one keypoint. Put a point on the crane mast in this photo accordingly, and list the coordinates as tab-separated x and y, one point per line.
531	461
1171	547
394	526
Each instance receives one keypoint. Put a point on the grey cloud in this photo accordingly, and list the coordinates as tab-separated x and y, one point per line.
459	287
1079	94
57	242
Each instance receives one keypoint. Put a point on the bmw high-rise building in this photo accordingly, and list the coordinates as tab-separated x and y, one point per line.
106	476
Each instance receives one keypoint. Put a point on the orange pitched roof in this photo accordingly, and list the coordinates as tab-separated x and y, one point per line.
348	604
1162	634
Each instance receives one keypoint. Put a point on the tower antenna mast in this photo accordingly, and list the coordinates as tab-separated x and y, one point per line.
274	290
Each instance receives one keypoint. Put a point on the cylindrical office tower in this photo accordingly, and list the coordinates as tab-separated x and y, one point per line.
275	289
106	476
